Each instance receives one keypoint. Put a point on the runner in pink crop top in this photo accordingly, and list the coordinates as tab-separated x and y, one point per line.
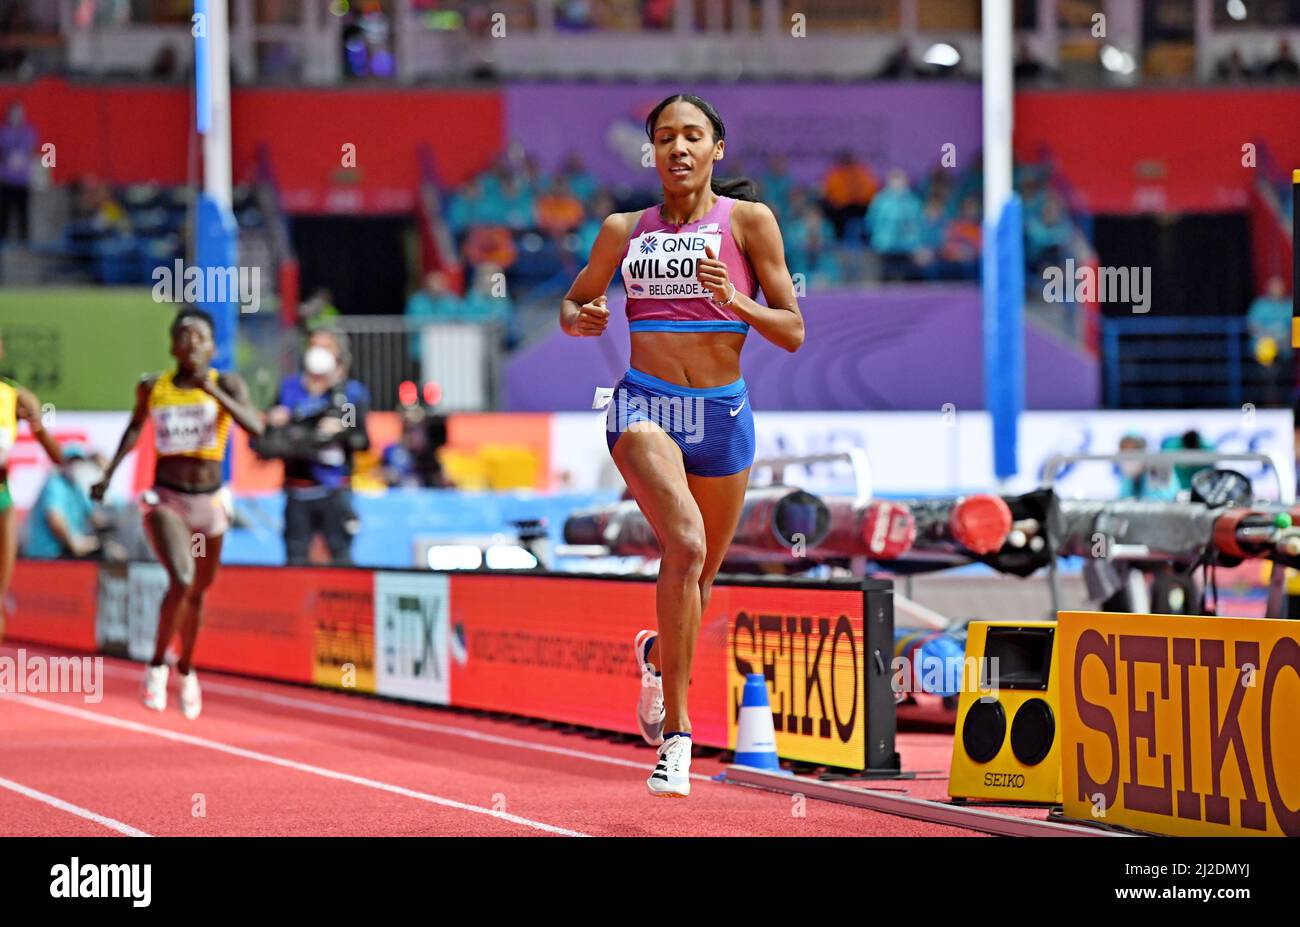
658	270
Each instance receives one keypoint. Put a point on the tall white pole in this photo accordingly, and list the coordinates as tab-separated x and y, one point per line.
216	139
998	56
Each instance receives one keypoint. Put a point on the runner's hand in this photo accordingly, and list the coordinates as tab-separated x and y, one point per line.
712	274
592	318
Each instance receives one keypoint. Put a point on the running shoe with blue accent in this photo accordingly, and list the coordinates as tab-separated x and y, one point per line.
650	707
672	775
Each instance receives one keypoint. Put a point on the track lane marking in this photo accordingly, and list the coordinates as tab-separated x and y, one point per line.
431	727
190	739
52	801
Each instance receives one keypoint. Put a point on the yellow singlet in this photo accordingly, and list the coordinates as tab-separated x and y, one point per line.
8	418
187	422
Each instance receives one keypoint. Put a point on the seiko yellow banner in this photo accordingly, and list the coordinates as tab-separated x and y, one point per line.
1181	725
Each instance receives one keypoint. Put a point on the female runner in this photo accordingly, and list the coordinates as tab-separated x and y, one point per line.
187	511
679	427
16	404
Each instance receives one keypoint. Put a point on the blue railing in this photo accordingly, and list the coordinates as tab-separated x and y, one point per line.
1186	362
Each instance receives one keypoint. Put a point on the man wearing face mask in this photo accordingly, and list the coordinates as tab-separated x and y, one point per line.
321	417
61	523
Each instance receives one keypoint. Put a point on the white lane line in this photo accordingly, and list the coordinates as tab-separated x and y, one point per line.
409	723
268	758
80	812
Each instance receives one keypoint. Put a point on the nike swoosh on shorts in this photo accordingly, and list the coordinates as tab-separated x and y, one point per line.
738	408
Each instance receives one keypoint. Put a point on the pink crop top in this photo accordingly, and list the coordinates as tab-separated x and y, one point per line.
659	273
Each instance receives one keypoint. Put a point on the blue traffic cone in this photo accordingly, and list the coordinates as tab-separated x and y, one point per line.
755	736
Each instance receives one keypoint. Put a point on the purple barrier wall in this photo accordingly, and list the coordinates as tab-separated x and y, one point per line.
887	124
911	347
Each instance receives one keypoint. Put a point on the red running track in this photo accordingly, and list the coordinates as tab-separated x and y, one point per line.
267	759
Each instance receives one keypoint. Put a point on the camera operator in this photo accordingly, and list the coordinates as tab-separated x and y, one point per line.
317	424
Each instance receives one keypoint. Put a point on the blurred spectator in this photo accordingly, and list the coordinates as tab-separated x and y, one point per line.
487	300
894	222
582	183
467	207
531	177
17	147
775	182
848	189
1233	69
433	302
1049	236
1283	67
1187	441
1138	480
97	208
558	211
602	205
61	523
1269	321
960	252
413	460
318	311
809	240
518	204
490	244
316	425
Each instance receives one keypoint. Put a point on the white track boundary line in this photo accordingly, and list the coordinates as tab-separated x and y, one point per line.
80	812
321	771
409	723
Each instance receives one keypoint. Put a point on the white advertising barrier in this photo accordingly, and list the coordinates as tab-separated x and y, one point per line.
947	452
146	584
95	431
411	637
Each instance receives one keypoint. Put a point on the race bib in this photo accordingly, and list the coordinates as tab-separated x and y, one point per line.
662	265
185	429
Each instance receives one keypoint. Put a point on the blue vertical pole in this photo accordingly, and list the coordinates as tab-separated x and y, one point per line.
1004	333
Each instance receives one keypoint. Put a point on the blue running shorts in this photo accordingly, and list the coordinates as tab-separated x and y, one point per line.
714	427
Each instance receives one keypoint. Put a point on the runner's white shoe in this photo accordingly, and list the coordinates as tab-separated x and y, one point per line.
155	687
650	707
191	697
672	775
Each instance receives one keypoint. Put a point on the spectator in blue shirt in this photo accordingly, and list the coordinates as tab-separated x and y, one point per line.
894	221
1269	317
581	181
60	524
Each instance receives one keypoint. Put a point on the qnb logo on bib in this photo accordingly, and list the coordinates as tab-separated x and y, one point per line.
662	265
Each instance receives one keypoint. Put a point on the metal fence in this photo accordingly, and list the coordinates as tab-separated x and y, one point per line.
1188	362
464	359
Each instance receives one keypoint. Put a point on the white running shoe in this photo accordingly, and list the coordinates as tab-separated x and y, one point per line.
672	775
155	687
191	697
650	707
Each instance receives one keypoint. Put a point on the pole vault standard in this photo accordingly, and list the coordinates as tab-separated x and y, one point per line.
1003	251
